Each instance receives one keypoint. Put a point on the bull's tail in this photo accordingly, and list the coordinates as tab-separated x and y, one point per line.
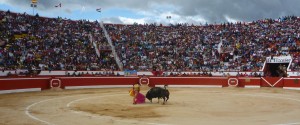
165	86
167	93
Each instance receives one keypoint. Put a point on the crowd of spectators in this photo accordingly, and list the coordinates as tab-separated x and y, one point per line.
39	43
226	47
33	42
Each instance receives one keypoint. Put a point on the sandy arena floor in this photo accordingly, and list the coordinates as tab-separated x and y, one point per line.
186	106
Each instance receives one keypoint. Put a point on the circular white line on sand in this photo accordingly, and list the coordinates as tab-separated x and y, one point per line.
83	113
34	117
77	100
87	114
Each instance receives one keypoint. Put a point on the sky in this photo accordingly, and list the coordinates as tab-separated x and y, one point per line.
155	11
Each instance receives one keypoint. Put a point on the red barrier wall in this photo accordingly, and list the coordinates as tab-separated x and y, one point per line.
249	81
24	83
271	82
189	81
91	81
291	82
44	83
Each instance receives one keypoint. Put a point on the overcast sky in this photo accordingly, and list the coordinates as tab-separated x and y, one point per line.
150	11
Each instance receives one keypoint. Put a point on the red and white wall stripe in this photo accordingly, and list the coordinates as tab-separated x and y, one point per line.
10	85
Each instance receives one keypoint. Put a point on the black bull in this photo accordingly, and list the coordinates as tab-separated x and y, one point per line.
157	92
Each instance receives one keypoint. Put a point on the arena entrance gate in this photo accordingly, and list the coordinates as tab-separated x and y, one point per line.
277	66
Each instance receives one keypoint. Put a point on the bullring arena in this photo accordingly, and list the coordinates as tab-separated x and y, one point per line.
60	71
216	100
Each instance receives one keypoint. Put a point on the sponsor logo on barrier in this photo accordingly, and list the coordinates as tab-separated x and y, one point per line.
233	82
55	83
144	81
296	81
247	80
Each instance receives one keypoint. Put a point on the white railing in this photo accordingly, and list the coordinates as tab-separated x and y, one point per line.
112	47
95	45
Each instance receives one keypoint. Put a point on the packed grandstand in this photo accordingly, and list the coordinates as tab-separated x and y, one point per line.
41	43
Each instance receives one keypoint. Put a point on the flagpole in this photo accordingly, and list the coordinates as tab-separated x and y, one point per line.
100	16
33	5
169	19
60	10
99	10
32	9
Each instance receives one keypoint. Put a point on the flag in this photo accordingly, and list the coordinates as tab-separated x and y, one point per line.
59	5
33	5
98	10
33	1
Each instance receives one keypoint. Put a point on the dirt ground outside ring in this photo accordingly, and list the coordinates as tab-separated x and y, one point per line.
186	106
